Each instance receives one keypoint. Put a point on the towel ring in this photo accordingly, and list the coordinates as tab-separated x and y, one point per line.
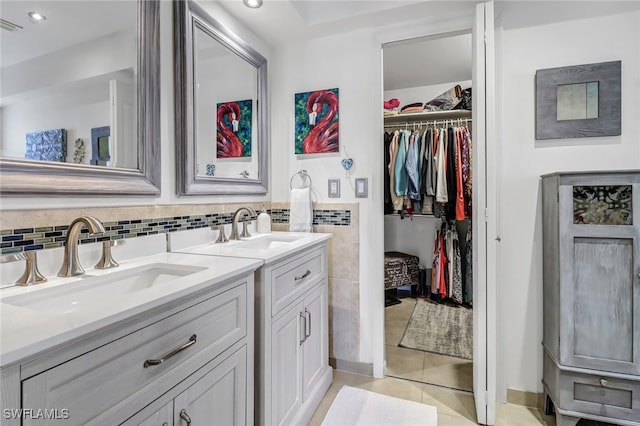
303	176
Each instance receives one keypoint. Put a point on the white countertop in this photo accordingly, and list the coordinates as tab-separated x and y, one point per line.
238	248
25	332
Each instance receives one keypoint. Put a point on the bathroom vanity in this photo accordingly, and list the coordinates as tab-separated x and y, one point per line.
291	314
161	340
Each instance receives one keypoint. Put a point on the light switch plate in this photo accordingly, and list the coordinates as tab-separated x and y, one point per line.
362	187
334	188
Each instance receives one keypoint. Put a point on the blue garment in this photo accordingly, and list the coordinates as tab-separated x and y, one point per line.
412	167
400	174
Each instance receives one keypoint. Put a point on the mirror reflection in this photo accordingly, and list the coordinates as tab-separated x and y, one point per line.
225	107
577	101
68	91
221	115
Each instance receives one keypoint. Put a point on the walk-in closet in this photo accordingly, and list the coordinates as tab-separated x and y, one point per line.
427	143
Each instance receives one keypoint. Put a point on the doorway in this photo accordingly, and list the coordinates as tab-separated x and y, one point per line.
428	332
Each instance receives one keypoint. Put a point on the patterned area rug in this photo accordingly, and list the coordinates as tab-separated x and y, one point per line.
440	328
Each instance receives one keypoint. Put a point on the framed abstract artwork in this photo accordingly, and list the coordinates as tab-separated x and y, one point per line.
579	101
100	146
316	122
233	129
47	145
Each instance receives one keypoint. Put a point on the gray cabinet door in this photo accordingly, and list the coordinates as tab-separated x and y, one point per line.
600	306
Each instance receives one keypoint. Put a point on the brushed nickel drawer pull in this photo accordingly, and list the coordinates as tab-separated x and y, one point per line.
150	362
303	276
184	416
304	327
604	382
307	335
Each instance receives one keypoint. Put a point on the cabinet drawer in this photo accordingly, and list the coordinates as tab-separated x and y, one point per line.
601	395
95	386
292	279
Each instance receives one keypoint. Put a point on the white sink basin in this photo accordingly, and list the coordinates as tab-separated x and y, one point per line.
268	247
268	241
104	289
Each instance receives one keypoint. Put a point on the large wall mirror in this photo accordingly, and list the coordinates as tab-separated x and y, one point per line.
221	99
79	99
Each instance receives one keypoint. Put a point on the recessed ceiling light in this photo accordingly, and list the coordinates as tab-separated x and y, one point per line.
253	4
36	17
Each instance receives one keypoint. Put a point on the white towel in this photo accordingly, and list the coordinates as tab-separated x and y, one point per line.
301	214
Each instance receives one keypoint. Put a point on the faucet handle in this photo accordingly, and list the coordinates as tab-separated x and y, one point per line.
106	260
31	273
222	238
245	229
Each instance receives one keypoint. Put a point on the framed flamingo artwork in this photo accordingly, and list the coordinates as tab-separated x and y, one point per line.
316	115
233	129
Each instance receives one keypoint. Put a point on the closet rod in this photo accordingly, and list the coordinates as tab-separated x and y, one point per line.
415	124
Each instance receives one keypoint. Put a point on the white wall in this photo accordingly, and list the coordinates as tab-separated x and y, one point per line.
524	50
352	64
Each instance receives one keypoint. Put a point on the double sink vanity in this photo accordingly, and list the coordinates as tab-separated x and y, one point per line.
227	333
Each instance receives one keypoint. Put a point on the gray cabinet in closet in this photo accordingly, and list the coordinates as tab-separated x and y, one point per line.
591	294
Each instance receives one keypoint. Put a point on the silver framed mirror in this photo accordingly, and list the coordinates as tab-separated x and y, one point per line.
137	171
221	108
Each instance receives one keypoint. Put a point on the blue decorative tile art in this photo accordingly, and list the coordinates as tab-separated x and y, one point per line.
48	145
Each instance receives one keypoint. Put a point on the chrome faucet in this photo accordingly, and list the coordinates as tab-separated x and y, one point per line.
71	264
234	224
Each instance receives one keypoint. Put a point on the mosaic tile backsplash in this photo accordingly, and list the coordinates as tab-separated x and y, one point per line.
41	238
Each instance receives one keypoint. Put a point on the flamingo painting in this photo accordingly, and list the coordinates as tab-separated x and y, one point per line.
233	136
316	122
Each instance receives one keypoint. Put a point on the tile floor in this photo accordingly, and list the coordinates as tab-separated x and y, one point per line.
425	367
451	376
454	407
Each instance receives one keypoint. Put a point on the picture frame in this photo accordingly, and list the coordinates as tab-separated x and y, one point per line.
317	122
100	146
234	128
579	101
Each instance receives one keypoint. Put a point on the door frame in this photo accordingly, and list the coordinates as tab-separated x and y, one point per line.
484	201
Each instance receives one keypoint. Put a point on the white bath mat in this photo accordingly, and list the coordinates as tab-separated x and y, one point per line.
355	406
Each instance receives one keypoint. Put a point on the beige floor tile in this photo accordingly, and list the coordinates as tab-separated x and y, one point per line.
404	363
518	415
453	420
450	402
448	371
394	387
393	334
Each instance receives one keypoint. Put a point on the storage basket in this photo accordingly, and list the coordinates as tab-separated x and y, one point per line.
400	269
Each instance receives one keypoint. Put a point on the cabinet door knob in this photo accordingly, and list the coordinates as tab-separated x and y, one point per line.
604	382
307	335
184	416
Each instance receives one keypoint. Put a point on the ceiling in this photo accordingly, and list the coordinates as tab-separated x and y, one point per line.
280	22
68	23
283	21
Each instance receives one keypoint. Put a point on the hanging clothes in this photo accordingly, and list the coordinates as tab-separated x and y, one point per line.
412	167
400	178
388	203
393	148
429	171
